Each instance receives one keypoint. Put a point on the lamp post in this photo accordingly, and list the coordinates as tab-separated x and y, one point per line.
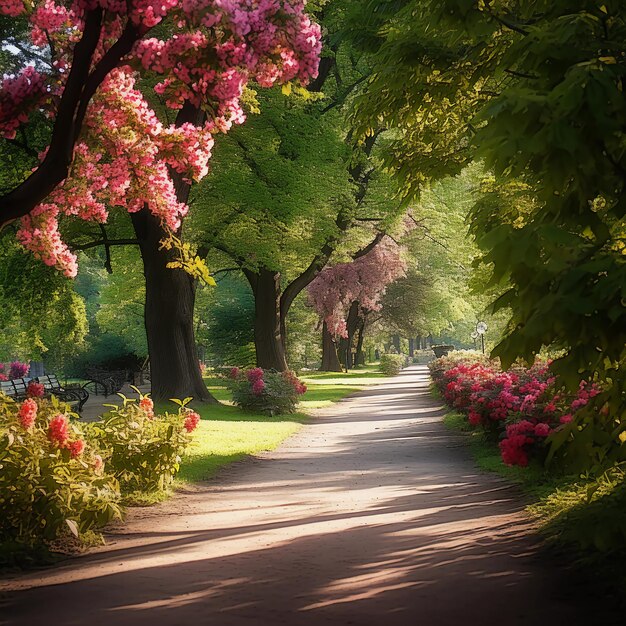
481	329
474	336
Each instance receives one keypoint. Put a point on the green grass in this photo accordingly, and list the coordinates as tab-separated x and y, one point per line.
580	517
227	434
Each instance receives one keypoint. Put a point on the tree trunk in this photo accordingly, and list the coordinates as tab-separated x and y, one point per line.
360	355
395	340
345	345
270	348
411	346
330	361
170	299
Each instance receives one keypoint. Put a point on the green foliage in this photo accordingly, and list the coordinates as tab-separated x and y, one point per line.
392	364
303	338
142	450
41	316
226	322
275	187
120	302
535	90
46	493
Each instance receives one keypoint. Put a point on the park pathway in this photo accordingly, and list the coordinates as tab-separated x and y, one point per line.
372	515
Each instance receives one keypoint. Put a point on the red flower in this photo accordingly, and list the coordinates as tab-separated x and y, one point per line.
234	373
58	430
76	448
28	413
192	419
35	390
147	405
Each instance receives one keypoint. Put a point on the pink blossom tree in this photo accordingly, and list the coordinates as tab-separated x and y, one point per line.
108	148
343	293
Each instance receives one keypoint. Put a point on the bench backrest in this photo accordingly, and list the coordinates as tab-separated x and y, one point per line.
7	388
50	382
20	385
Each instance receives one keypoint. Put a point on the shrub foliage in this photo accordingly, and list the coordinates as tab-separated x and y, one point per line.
265	391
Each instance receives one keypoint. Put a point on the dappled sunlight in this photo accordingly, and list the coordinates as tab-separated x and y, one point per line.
359	516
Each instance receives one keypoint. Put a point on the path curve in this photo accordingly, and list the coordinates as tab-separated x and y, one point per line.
373	512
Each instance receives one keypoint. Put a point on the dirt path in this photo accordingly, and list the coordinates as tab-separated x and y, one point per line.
373	514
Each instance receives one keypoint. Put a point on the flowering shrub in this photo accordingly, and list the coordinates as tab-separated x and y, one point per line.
265	391
35	390
13	370
141	449
522	406
18	370
52	481
391	364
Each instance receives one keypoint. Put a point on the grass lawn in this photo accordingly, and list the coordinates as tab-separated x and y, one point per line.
227	434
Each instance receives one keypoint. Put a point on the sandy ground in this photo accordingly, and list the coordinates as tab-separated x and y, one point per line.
373	514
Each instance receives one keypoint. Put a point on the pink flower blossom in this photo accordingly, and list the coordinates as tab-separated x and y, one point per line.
258	386
58	430
28	413
147	406
35	390
192	419
76	448
254	374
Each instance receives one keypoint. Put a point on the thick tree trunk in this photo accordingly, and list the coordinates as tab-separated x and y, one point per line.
330	360
170	299
411	346
270	348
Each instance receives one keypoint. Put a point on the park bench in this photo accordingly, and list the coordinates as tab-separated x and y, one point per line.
106	382
9	388
18	387
76	396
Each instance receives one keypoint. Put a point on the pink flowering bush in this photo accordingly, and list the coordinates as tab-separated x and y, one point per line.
18	369
11	371
143	449
265	391
123	155
522	406
52	482
35	390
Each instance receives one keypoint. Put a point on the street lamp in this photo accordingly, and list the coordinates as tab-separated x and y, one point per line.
474	336
481	329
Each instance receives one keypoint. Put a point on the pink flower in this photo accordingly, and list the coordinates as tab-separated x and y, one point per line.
147	406
18	370
98	463
35	390
192	419
234	373
58	430
258	386
76	448
255	374
542	429
28	413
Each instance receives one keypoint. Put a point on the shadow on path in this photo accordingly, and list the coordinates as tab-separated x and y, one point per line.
373	512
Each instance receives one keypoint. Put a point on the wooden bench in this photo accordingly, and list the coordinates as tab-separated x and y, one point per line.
8	389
